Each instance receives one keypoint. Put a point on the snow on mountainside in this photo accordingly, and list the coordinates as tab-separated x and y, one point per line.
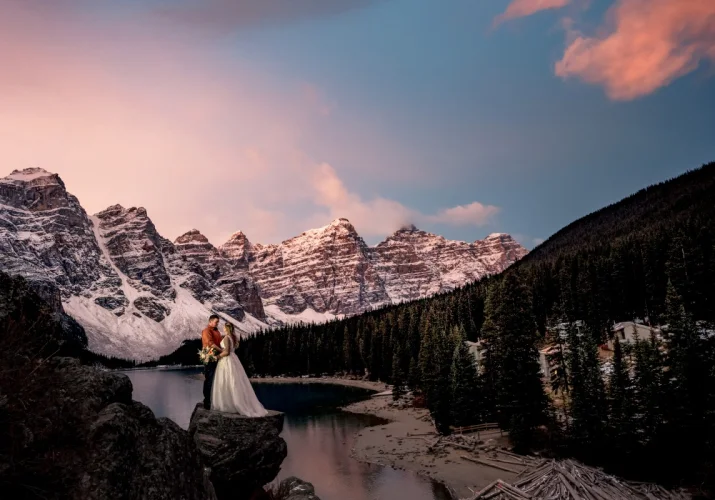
139	295
113	270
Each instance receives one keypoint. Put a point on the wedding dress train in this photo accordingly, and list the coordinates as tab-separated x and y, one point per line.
232	391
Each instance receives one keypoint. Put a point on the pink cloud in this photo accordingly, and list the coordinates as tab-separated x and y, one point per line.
380	216
473	214
524	8
374	217
645	45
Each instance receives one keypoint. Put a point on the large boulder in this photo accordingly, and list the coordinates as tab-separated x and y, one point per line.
243	453
132	454
73	432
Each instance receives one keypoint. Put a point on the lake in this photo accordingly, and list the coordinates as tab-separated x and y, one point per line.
319	436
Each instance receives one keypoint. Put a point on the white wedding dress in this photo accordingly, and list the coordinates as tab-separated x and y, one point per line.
232	391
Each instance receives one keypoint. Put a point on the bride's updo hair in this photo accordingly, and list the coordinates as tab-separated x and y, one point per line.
228	327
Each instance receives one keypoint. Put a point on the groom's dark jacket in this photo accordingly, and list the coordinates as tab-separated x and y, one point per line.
211	336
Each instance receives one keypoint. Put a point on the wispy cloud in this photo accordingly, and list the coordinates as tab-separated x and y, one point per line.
473	214
524	8
645	45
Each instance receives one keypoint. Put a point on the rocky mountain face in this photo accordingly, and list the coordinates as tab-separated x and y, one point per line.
331	270
229	287
138	295
326	270
416	264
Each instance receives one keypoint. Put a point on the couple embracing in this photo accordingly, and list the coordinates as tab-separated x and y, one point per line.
226	385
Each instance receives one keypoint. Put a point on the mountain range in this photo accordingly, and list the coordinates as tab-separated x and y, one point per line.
138	294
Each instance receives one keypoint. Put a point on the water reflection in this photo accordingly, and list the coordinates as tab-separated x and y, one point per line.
319	437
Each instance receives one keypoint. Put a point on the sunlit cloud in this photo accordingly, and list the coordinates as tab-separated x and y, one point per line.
473	214
380	216
524	8
644	45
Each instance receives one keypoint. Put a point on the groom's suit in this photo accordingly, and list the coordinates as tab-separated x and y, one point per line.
210	336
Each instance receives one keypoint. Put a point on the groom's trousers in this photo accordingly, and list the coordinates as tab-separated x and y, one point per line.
209	372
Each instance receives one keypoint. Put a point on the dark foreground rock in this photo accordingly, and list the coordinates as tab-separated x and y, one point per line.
293	488
72	431
243	453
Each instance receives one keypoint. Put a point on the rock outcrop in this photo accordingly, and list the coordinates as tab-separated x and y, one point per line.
138	295
72	431
243	453
293	488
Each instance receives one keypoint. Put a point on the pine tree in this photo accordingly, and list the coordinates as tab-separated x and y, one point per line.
521	403
464	382
435	364
688	381
398	377
347	350
587	403
621	424
648	383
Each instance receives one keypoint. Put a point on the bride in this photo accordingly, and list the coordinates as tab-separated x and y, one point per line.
232	391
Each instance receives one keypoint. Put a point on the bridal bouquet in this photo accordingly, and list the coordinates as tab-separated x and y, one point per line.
208	355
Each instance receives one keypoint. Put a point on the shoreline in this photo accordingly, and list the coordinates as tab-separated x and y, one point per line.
362	384
397	444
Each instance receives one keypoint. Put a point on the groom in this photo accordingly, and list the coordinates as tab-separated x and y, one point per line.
210	337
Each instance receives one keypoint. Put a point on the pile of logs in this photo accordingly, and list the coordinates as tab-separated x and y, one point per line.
571	480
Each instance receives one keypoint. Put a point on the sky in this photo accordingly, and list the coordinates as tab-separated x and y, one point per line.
464	117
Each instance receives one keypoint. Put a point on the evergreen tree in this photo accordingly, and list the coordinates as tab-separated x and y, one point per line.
621	425
521	403
587	403
464	382
398	377
347	350
688	381
648	383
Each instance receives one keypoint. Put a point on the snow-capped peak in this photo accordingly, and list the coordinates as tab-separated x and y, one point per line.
237	236
34	175
340	222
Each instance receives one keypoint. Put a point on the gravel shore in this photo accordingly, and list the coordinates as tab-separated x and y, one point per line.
395	445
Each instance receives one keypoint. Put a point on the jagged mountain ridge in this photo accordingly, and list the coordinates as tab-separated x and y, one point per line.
138	294
332	270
